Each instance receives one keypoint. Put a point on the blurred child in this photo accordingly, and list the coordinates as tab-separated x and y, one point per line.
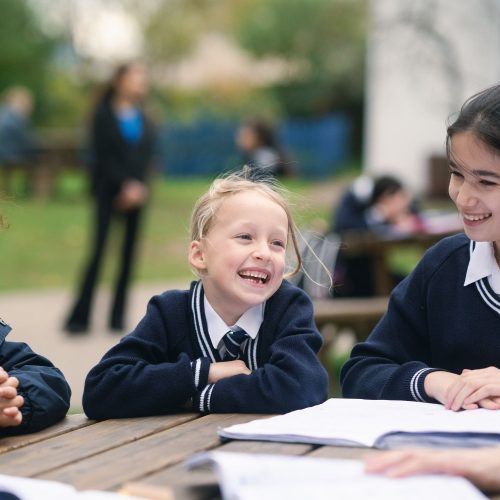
381	207
241	339
261	150
439	340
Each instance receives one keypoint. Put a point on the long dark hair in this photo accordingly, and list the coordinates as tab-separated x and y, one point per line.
479	115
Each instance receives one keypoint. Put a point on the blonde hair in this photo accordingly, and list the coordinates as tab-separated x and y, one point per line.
205	209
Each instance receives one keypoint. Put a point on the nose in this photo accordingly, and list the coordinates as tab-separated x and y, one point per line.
261	250
466	195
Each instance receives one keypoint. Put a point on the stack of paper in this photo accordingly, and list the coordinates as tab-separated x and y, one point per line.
274	477
379	424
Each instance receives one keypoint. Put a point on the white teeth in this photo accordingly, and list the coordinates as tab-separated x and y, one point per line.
476	217
254	274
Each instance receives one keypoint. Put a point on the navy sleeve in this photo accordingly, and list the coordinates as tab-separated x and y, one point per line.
44	389
291	379
394	361
137	377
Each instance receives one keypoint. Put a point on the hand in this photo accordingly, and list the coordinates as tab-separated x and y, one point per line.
133	194
436	384
475	389
225	369
480	466
10	401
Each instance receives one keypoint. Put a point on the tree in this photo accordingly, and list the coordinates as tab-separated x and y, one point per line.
25	49
323	42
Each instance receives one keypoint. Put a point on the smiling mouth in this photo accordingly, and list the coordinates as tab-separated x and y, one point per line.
257	277
474	218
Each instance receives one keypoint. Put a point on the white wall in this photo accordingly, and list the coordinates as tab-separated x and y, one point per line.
425	58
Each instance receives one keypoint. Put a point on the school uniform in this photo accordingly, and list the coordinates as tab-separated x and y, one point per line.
444	316
44	389
163	364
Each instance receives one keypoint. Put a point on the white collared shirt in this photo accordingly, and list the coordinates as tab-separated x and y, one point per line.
483	264
250	321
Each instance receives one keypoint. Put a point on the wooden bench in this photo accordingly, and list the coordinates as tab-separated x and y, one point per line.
359	315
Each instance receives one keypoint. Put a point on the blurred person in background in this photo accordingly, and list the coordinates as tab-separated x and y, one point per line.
122	140
379	206
257	141
18	146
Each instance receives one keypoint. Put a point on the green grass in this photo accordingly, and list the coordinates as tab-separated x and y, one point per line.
46	242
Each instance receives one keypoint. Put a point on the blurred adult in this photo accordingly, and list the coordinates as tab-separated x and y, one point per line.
378	206
18	146
260	148
122	140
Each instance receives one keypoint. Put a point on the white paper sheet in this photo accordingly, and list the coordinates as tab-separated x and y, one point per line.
358	422
275	477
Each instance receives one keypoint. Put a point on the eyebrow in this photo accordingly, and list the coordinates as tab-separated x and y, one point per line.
479	172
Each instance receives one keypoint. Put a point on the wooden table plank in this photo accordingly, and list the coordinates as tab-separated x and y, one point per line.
81	443
134	461
68	424
178	475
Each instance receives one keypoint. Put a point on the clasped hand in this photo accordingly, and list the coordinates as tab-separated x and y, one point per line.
225	369
10	401
470	390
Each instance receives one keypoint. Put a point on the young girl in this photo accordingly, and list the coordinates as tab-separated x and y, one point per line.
240	340
439	341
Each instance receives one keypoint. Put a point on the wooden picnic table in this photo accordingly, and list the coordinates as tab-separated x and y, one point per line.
379	249
147	451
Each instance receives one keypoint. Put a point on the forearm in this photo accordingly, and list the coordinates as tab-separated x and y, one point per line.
118	390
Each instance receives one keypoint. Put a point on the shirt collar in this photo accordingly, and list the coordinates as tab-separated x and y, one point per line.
250	321
482	264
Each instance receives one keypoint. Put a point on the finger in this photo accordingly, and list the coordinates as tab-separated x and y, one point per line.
470	406
12	382
379	462
488	390
3	375
7	392
18	401
457	401
11	411
489	404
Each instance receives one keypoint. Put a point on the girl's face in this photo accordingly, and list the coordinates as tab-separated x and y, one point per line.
475	187
242	258
246	138
134	82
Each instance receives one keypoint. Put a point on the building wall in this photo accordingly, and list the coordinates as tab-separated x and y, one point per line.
424	59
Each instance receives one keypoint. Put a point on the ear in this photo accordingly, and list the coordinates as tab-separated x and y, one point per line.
196	256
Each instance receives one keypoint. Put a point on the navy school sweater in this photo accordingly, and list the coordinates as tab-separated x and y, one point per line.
164	362
432	323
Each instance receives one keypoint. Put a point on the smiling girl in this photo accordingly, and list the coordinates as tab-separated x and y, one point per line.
440	338
241	339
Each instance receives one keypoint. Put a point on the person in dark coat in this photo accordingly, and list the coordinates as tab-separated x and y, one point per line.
122	150
33	393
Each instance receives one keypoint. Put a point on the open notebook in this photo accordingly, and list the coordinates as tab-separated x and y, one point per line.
378	424
274	477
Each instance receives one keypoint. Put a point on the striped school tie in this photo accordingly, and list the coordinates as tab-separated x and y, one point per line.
232	342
